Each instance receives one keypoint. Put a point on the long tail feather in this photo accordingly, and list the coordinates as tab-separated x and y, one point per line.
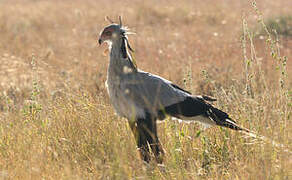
222	119
232	125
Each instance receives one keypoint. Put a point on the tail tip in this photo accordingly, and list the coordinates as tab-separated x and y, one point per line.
232	124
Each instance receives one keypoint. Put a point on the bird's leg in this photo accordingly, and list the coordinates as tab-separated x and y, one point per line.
152	138
145	132
141	140
149	132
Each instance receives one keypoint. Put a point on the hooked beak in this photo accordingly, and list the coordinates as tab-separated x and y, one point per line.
100	41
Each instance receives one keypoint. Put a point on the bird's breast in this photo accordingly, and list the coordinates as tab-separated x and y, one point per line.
118	96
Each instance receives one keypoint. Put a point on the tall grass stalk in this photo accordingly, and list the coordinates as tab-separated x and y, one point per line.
281	61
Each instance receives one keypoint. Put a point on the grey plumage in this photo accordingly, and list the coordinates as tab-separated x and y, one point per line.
149	92
143	98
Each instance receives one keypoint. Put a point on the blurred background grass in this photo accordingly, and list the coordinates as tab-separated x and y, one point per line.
55	118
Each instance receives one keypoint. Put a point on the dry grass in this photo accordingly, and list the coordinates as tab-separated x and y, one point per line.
55	118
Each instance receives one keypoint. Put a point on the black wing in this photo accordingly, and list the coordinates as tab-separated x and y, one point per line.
194	106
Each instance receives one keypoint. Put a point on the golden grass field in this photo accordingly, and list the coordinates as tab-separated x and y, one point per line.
56	121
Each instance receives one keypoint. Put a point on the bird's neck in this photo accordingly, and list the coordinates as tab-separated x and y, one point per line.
120	59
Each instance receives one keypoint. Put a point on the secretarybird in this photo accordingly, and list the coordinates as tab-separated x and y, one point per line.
143	98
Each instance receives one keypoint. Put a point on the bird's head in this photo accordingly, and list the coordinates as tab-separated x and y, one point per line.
112	32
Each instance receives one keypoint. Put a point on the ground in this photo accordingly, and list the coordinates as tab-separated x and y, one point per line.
56	121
